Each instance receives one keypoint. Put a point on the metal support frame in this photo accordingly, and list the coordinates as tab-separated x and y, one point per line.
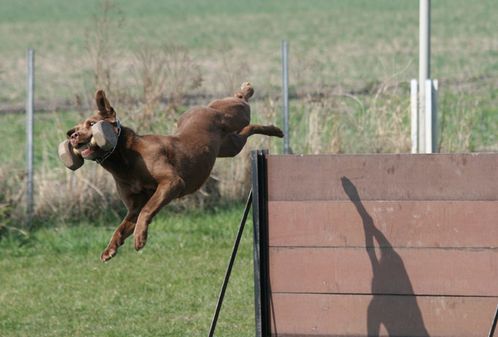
493	325
228	272
260	220
258	199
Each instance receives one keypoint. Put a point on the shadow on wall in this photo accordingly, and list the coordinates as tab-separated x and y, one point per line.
393	304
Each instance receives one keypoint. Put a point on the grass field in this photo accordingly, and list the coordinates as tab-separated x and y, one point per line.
350	66
333	43
53	284
366	49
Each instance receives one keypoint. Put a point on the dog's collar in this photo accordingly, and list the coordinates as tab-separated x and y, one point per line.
108	153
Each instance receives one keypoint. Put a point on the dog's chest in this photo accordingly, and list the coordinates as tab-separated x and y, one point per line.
137	186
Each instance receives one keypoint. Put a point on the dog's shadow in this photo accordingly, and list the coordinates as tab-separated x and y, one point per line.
396	309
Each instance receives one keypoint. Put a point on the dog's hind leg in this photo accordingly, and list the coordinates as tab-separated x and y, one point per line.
267	130
234	112
168	189
234	142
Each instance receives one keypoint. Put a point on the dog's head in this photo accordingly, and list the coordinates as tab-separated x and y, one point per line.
81	135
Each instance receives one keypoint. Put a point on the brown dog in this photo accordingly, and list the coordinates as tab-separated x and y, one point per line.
152	170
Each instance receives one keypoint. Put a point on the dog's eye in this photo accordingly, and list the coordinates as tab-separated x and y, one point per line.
92	123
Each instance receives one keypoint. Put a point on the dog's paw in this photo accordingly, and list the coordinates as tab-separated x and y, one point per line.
245	86
246	91
140	240
276	132
108	254
279	133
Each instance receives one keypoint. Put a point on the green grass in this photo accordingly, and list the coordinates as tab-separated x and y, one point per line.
358	55
345	42
335	47
49	130
53	284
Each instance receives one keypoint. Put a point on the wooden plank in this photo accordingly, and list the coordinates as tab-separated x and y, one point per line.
403	223
384	177
357	315
453	272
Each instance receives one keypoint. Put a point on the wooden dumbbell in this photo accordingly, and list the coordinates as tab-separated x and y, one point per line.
104	135
69	156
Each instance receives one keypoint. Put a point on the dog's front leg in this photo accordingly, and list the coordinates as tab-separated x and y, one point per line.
124	230
169	189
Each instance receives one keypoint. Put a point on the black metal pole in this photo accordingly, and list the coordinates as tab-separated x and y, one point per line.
260	222
493	326
230	265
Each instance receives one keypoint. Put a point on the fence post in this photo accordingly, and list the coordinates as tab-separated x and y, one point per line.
435	124
424	69
29	134
427	86
414	115
423	95
431	87
285	94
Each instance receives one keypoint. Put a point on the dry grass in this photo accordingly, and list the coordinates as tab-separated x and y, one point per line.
101	46
12	196
336	123
458	122
83	193
167	73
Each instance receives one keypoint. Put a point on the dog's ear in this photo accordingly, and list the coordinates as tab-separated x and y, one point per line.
105	108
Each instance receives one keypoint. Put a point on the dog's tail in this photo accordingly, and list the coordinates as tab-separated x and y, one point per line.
246	91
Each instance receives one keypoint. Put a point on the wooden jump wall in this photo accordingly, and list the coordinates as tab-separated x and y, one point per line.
375	245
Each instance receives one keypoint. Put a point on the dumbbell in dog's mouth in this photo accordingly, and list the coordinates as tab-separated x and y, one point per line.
88	144
84	144
87	149
102	137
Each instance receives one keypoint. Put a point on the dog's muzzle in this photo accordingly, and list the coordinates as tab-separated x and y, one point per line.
103	137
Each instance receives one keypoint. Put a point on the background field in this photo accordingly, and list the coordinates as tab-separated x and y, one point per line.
350	66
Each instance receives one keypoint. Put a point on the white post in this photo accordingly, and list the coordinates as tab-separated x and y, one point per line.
414	114
424	66
423	97
431	87
29	134
285	94
435	124
428	116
